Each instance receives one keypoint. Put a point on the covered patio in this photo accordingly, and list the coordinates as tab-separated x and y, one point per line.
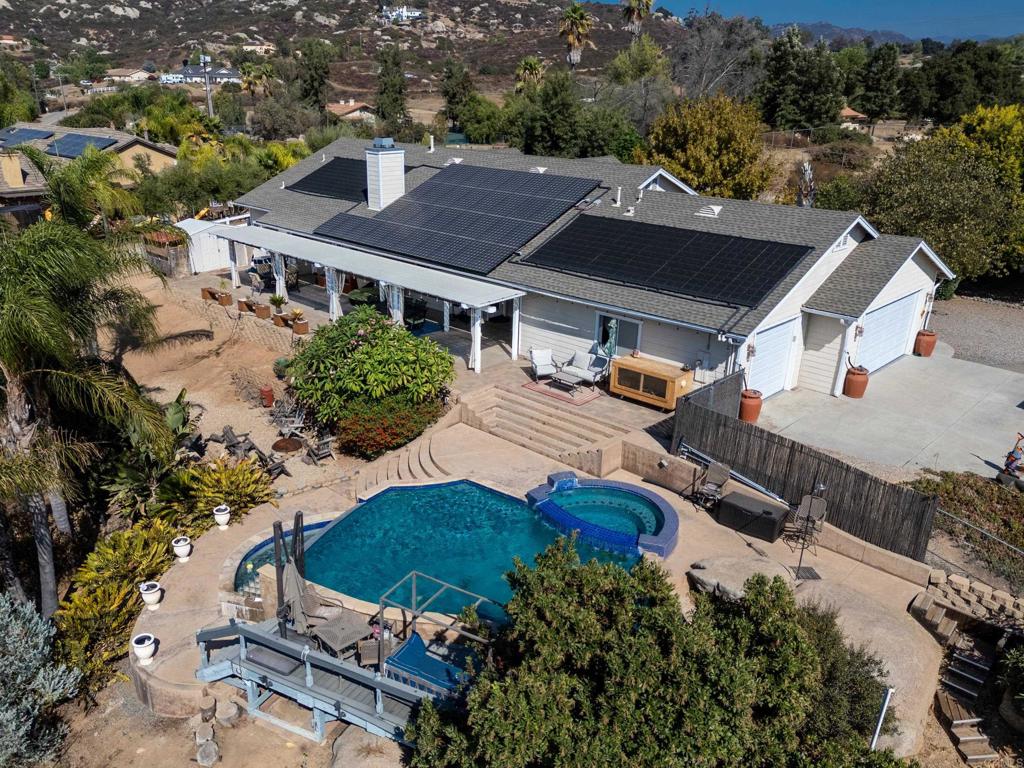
393	278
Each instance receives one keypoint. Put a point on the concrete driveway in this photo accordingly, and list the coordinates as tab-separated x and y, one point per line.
935	412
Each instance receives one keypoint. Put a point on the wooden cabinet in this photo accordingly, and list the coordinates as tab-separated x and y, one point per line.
649	381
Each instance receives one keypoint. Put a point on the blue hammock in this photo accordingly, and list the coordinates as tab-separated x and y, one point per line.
412	659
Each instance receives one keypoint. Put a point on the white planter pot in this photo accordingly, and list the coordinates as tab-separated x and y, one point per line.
151	593
222	514
182	547
144	646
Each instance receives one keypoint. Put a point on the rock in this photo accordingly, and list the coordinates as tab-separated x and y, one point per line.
207	708
1005	599
959	583
228	712
981	589
208	754
204	733
194	722
937	576
726	576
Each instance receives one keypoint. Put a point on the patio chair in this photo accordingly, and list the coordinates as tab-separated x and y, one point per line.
256	286
711	484
587	366
291	278
328	622
320	449
543	363
272	464
292	425
806	521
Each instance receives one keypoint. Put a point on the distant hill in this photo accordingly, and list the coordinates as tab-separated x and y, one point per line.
822	29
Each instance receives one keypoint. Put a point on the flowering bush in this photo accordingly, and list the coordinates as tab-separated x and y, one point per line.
369	428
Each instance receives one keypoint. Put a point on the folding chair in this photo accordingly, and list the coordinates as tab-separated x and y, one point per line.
806	521
256	286
710	491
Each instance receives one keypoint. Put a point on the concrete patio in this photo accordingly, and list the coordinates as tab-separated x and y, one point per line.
937	412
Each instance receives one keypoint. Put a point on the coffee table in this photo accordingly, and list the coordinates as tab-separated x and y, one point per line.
566	382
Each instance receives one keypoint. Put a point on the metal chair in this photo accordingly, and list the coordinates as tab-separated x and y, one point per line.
256	286
710	491
806	520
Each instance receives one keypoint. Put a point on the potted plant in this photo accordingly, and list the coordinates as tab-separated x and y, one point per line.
299	324
277	301
281	367
222	515
223	296
182	546
144	646
152	594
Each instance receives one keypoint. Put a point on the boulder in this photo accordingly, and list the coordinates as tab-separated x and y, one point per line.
228	712
725	576
208	754
204	733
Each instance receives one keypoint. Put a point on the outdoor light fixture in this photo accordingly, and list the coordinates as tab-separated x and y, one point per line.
751	351
662	463
859	331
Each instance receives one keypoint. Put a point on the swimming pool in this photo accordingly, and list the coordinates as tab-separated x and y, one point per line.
460	532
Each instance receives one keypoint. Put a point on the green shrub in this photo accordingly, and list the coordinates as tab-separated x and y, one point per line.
94	624
32	684
843	193
847	154
830	134
281	367
1012	675
368	428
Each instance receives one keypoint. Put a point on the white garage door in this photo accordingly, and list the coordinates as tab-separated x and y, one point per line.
770	364
887	333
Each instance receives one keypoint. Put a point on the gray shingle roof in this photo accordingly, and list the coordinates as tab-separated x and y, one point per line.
855	283
818	229
121	139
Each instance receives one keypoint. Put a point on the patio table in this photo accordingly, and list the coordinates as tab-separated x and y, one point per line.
566	382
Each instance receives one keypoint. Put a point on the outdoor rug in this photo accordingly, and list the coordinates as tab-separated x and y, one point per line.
584	394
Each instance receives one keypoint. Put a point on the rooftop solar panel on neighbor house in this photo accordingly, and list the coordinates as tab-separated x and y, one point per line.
72	145
706	265
465	217
14	136
342	178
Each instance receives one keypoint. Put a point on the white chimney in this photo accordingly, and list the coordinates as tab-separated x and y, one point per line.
618	197
385	174
431	143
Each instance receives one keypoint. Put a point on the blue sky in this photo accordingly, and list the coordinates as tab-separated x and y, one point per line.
914	18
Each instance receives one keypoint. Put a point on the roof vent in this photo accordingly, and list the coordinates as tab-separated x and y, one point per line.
709	211
282	185
538	169
323	157
383	142
630	211
453	161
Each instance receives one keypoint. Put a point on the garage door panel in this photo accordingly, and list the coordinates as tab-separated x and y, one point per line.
770	366
887	333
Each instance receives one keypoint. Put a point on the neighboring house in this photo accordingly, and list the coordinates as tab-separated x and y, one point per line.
11	44
850	115
401	14
63	144
260	49
193	73
580	252
129	75
22	190
352	110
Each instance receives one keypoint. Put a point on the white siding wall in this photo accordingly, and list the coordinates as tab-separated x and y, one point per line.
918	274
822	342
566	326
385	177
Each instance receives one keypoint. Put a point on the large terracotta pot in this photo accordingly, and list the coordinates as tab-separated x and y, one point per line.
224	299
924	344
205	292
750	405
856	381
262	311
243	305
300	327
267	396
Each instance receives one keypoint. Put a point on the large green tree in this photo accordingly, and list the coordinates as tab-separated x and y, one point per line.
880	95
391	109
712	144
639	76
457	90
802	87
316	70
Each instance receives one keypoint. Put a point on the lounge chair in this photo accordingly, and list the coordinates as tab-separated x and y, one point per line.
587	366
328	622
412	665
292	425
319	450
543	363
711	485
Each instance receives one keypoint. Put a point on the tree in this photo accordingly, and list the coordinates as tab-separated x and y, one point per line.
880	97
575	27
997	134
640	75
391	109
712	144
852	61
529	74
32	684
229	109
83	64
553	126
456	90
720	55
802	87
622	678
316	66
915	93
843	193
944	191
633	13
821	87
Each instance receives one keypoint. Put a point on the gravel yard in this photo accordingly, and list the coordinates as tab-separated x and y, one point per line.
982	331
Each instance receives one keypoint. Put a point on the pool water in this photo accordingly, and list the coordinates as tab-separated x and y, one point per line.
459	532
611	508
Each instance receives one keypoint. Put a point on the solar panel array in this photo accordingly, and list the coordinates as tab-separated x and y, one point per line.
72	145
707	265
341	178
14	136
464	216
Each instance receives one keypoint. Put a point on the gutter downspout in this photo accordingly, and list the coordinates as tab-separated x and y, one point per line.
843	349
930	303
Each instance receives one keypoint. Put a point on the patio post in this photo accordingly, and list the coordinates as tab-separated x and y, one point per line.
446	316
280	287
516	307
396	300
233	255
333	303
474	355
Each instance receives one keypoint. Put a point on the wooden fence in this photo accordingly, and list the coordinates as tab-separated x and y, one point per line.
890	516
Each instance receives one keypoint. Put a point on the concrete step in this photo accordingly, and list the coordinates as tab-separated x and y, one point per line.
542	415
934	615
946	629
977	751
560	436
961	686
433	458
526	438
544	407
423	459
522	441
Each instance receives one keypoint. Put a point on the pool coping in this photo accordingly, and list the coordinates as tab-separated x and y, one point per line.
660	544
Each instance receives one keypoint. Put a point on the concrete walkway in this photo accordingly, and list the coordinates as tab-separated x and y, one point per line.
937	412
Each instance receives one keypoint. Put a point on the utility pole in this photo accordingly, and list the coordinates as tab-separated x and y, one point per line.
205	61
60	84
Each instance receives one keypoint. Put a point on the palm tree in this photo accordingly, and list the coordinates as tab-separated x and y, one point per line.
575	26
634	12
251	79
58	286
529	73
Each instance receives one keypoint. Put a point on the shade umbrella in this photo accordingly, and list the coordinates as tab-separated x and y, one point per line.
294	590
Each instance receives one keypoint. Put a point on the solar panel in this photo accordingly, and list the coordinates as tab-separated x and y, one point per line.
464	216
706	265
341	178
72	145
14	136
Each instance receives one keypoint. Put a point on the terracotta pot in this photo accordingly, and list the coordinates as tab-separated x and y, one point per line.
205	294
924	344
267	396
243	305
224	299
750	405
321	280
856	381
279	320
300	327
262	311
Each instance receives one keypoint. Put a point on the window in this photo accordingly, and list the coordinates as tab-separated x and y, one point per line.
625	334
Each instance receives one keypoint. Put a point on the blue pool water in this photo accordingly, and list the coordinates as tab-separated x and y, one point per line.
459	532
611	508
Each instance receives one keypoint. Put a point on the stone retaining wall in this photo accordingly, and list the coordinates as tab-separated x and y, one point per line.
977	599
